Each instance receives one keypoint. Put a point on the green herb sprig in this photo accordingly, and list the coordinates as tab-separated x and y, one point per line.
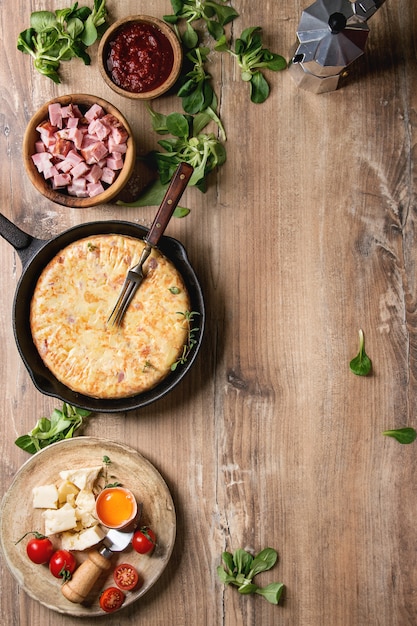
214	14
191	340
361	364
62	35
61	425
196	91
252	57
105	472
402	435
241	567
204	151
188	143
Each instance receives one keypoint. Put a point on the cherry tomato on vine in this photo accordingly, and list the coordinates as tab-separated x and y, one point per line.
111	599
62	564
126	577
39	549
144	540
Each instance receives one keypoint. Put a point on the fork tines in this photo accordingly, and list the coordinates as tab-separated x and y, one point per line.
128	291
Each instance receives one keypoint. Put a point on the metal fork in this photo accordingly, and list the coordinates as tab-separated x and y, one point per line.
135	275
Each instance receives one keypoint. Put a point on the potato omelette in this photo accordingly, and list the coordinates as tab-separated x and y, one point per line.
70	306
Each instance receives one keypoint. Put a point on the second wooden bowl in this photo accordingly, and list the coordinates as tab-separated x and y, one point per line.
60	196
140	57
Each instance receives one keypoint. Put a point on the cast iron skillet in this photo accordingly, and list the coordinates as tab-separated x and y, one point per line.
35	254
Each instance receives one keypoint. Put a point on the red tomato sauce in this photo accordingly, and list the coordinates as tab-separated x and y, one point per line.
140	57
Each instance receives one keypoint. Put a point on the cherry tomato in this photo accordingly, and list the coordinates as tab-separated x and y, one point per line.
62	564
111	599
144	540
126	577
39	549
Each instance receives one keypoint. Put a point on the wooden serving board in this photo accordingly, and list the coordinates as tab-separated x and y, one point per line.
129	468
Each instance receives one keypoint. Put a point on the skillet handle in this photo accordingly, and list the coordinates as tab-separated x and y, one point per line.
13	235
173	194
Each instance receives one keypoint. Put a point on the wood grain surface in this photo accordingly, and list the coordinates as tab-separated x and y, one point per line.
306	234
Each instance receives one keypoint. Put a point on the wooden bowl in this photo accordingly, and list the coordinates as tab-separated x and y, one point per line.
31	136
157	88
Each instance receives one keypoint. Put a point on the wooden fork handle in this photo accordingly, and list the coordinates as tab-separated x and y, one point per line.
173	194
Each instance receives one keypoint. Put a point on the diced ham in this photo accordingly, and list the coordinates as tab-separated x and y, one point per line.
79	186
42	160
117	147
108	176
50	173
40	146
76	135
70	111
94	112
95	152
115	161
46	127
61	148
118	130
47	133
80	169
119	134
72	122
55	114
62	134
74	157
95	173
76	110
80	183
88	140
97	128
74	190
94	189
82	154
64	166
61	180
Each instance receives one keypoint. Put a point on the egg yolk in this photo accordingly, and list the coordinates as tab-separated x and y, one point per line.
115	506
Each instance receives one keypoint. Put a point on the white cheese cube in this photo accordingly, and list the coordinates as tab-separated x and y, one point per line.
82	540
45	497
71	499
85	519
56	521
65	489
83	478
86	501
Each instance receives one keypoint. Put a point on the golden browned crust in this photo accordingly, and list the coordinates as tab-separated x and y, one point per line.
73	299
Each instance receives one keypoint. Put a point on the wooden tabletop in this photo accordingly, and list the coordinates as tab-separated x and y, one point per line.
306	234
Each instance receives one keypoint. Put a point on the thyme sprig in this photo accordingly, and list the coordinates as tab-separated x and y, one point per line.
191	338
